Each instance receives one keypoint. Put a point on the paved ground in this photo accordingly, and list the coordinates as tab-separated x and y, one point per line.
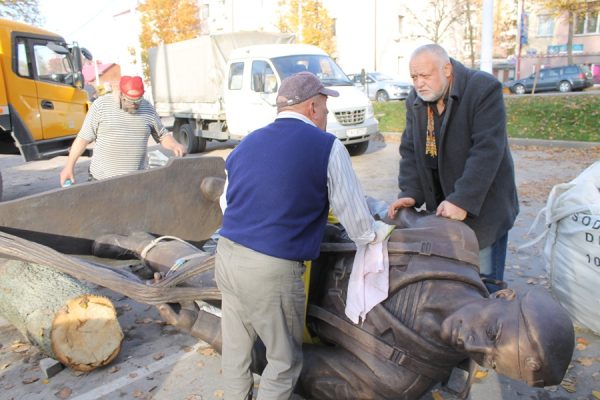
158	362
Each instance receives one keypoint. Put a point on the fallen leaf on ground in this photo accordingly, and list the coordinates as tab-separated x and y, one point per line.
219	393
159	356
585	361
132	375
20	347
137	394
581	340
481	373
29	380
64	393
596	394
569	384
437	395
580	347
207	352
113	369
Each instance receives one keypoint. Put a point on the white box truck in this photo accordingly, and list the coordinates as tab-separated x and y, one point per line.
219	88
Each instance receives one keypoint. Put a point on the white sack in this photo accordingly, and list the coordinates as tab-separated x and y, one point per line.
572	247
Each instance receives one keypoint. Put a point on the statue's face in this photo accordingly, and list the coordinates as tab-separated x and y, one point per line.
488	330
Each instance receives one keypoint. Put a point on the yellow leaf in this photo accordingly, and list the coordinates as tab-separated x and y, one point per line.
437	395
596	394
569	384
583	341
481	373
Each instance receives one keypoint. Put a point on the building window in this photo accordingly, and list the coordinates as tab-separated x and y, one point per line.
592	22
400	24
545	25
579	24
586	23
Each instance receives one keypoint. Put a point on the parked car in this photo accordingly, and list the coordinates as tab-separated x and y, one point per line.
563	79
381	87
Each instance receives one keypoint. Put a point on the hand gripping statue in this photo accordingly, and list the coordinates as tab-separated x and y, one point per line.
436	320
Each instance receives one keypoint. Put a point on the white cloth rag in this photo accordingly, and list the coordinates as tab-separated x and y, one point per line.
369	281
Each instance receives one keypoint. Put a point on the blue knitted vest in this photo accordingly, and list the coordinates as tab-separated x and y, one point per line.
277	200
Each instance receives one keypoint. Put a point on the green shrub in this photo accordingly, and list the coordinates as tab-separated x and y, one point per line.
553	117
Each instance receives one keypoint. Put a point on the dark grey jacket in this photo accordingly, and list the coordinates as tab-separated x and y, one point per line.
474	161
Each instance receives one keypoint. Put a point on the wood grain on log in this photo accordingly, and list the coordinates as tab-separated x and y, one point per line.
49	308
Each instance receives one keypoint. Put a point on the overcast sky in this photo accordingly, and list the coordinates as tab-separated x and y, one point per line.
88	22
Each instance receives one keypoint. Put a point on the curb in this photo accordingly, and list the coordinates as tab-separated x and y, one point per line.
552	143
395	137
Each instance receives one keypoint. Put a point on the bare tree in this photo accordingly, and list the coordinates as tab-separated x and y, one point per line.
441	16
21	10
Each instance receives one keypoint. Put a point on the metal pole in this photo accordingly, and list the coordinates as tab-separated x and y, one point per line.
487	36
375	35
520	48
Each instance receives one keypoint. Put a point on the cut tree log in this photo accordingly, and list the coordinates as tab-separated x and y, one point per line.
64	318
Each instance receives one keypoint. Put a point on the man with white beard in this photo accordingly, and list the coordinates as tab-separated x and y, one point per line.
455	157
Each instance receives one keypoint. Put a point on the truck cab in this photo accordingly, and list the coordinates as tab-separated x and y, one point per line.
254	74
42	101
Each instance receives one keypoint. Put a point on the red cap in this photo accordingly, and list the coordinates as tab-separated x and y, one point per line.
132	86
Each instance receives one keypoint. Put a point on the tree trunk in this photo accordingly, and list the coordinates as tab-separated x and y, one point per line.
570	38
59	315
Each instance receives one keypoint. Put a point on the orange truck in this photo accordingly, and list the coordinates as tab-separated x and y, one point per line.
42	100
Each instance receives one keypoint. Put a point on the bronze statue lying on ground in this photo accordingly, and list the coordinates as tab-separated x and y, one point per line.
436	319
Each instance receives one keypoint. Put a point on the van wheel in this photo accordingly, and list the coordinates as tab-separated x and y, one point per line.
356	149
382	96
564	86
185	136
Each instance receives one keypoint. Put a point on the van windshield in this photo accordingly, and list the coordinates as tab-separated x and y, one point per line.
322	66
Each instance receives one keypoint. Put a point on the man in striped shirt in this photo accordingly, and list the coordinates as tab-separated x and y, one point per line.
120	123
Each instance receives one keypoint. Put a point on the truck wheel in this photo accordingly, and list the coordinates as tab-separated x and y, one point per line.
356	149
185	136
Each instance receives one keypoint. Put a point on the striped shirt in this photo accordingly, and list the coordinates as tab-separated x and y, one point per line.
121	138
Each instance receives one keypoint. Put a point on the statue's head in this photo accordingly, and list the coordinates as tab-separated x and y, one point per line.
529	338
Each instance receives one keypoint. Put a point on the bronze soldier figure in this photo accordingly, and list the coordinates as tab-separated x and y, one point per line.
436	321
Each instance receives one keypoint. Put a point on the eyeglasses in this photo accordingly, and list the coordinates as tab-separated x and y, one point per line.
131	101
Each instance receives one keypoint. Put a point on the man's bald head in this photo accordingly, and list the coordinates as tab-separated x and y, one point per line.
433	49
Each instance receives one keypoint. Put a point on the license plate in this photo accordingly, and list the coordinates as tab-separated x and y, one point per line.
354	132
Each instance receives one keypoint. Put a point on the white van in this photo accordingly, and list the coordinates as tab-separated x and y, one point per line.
215	90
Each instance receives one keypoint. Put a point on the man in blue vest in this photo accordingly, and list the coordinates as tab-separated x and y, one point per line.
281	181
